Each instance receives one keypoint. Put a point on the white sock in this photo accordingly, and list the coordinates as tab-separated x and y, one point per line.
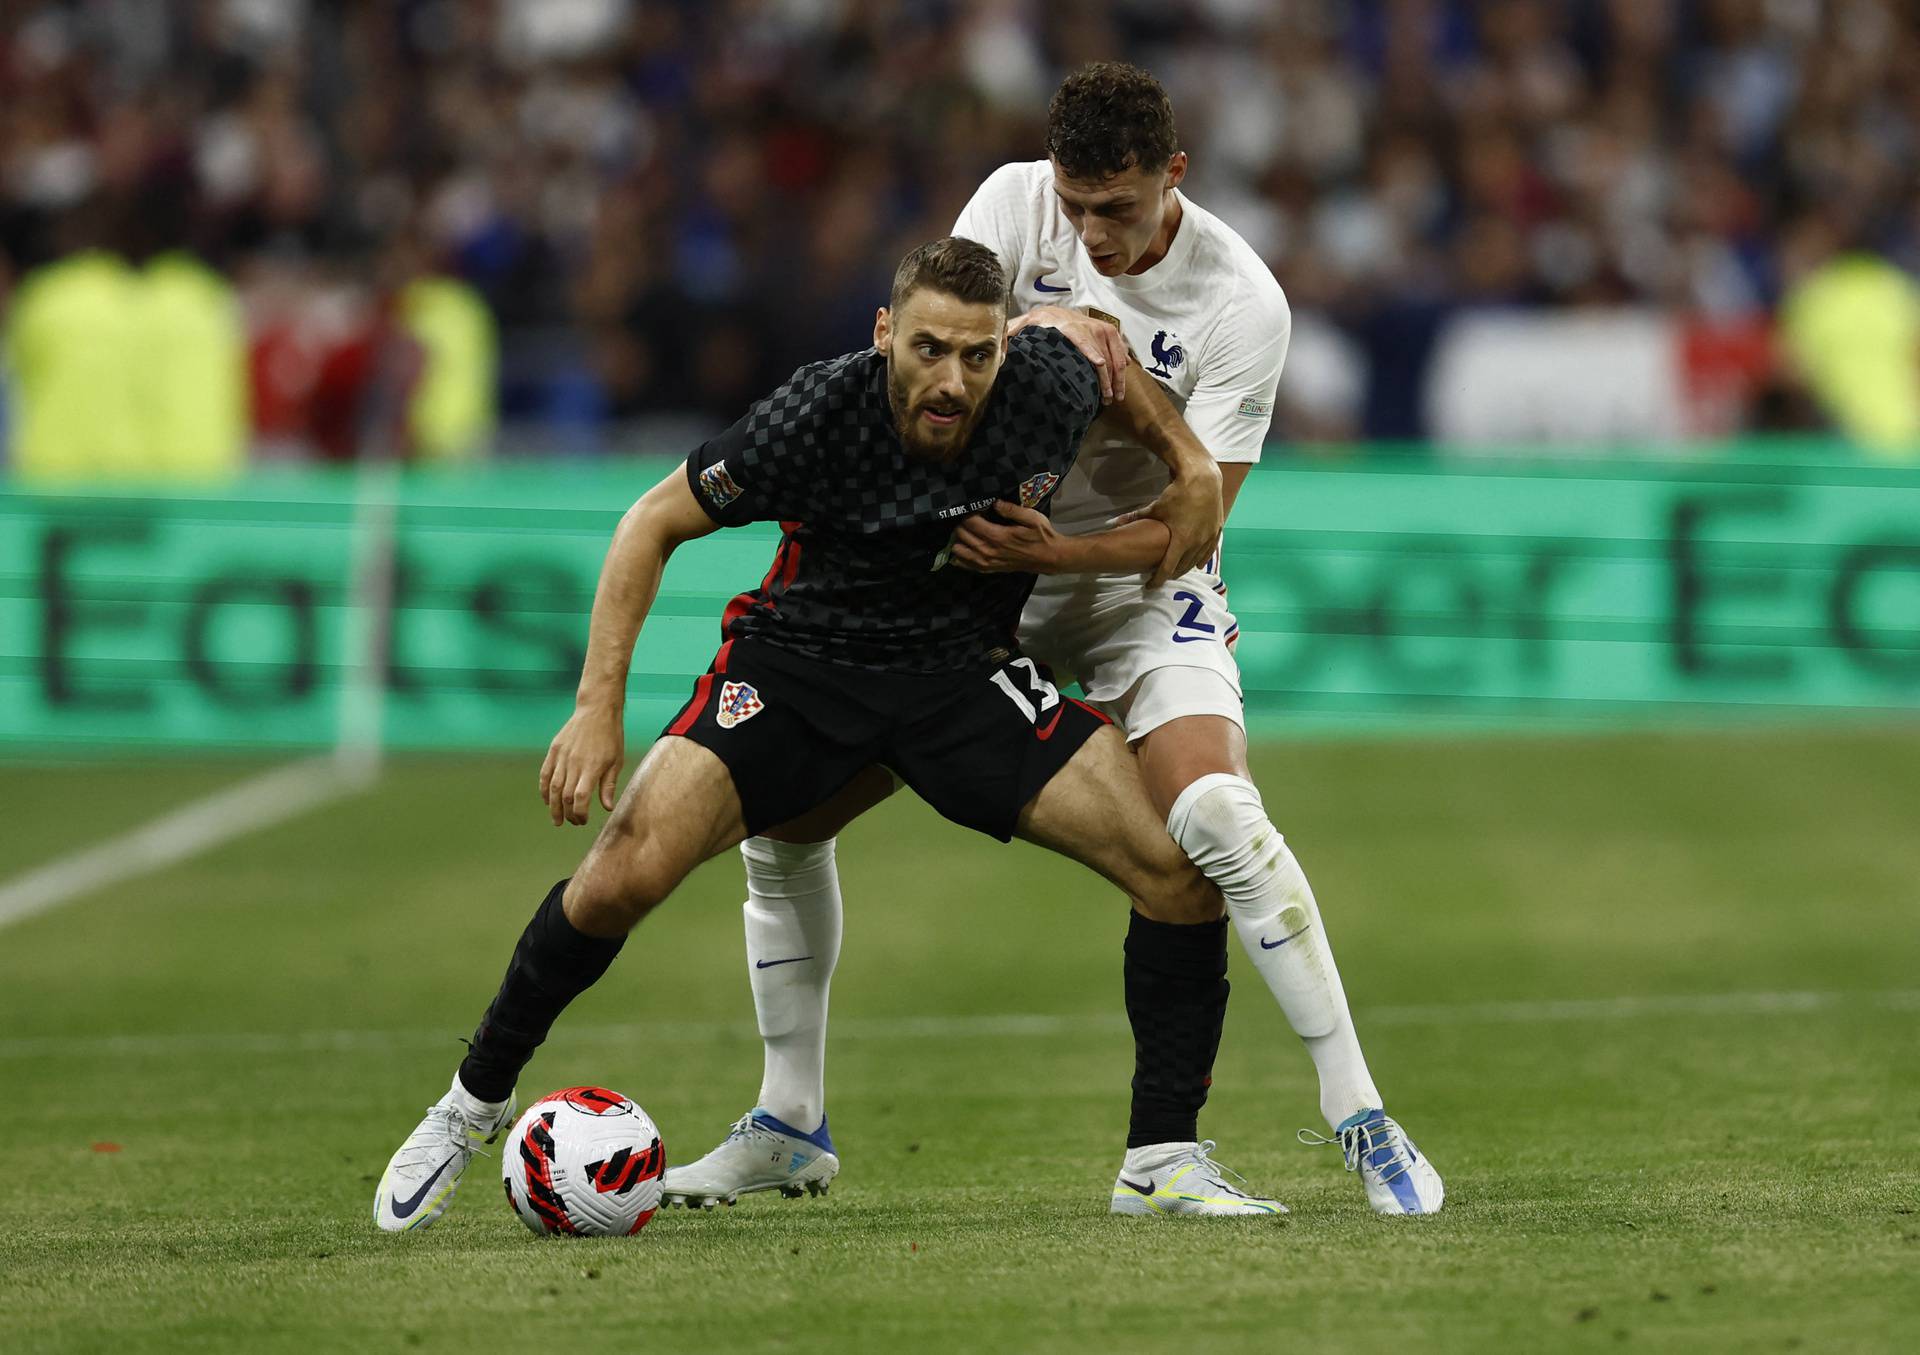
1153	1156
1222	826
793	942
471	1106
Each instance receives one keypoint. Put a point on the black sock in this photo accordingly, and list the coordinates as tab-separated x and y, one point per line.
1176	981
554	963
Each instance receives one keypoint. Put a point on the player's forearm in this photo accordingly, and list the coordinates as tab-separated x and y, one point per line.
1119	550
1149	416
629	582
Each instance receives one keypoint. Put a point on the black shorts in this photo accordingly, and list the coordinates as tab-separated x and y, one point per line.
977	746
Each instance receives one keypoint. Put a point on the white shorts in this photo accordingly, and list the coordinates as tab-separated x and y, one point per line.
1143	656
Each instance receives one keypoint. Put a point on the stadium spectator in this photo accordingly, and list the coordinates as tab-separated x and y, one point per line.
125	365
450	414
1850	325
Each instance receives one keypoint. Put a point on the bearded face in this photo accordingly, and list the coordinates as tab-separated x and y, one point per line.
943	355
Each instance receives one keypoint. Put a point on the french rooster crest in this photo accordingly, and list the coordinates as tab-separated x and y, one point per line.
1166	355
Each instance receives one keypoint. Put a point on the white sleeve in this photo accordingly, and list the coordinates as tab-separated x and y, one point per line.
996	215
1232	404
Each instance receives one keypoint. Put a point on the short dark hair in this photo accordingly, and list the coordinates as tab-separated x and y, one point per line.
962	268
1109	117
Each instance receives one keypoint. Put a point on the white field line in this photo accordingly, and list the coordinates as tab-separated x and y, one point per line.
1009	1026
199	826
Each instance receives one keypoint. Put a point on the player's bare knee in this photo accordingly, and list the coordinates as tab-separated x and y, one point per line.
1181	894
1199	897
610	894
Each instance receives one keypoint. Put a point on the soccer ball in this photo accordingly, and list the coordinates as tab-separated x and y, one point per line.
584	1160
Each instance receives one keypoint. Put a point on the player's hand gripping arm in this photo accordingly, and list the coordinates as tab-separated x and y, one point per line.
1191	510
1025	541
1176	532
588	751
1098	339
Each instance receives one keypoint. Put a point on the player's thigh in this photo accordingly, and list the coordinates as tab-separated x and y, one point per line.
679	809
764	738
1095	810
795	734
978	745
867	789
1179	752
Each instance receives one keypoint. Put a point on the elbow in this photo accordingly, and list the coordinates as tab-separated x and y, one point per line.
644	531
633	524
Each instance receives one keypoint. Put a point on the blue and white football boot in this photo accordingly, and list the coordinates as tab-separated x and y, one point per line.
1397	1175
1174	1179
759	1153
420	1180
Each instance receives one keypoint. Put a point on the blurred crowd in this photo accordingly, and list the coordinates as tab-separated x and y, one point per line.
435	225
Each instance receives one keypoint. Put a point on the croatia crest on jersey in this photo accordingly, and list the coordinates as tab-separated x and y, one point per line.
720	488
1036	488
738	702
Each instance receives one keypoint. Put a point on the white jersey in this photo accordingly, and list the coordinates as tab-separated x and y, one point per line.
1208	322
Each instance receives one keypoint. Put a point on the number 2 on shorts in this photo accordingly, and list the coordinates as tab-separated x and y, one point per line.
1191	621
1047	694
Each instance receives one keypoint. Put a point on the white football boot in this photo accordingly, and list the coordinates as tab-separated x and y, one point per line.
419	1182
1397	1175
759	1153
1183	1179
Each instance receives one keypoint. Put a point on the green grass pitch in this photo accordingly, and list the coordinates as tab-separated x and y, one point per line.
252	1032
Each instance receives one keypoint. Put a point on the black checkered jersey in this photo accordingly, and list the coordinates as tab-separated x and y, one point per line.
861	575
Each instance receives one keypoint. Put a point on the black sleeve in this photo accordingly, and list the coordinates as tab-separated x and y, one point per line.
1065	383
753	471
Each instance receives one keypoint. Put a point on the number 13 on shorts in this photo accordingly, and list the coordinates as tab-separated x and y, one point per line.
1040	696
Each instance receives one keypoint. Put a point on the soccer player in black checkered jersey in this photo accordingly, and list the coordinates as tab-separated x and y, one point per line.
864	647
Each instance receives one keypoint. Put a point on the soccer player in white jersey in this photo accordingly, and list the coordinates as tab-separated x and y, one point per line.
1101	226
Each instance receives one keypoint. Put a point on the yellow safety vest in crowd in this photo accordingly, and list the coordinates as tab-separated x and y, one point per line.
124	373
1853	327
451	415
